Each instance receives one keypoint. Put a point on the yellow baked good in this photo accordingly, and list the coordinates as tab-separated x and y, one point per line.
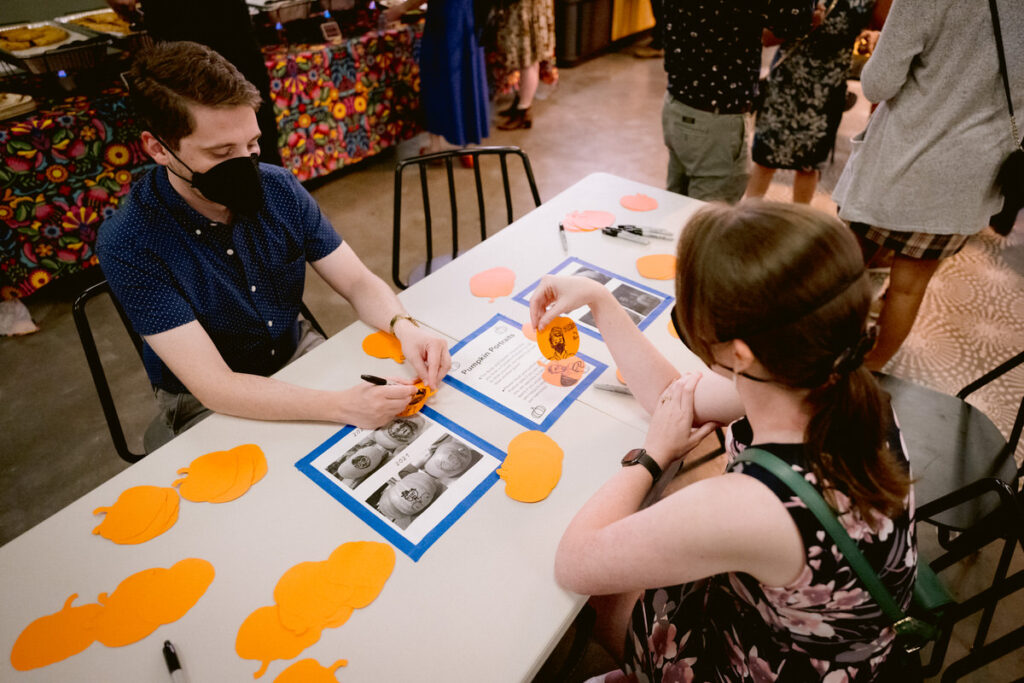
14	39
106	22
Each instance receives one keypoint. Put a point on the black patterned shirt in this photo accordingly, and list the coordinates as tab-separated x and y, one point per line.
713	47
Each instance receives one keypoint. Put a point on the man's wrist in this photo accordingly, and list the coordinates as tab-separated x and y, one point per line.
398	319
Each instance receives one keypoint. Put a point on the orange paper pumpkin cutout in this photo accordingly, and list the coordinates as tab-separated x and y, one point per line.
587	221
310	671
492	283
384	345
264	638
139	514
657	266
222	476
150	598
312	596
564	373
56	636
560	339
423	392
618	376
529	332
639	202
532	467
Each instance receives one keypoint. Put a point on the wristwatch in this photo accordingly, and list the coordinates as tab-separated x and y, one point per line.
638	456
400	316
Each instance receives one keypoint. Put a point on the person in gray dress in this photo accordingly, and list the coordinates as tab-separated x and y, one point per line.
921	178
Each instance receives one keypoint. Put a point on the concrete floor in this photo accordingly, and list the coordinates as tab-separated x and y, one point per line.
54	446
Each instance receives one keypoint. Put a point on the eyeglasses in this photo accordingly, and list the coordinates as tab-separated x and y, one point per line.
682	338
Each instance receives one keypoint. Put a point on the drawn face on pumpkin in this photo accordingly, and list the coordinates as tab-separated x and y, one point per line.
362	462
399	432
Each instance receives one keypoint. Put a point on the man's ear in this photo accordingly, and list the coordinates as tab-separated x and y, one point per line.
155	149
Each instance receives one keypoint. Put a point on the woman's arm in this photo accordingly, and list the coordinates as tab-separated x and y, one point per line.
902	39
645	369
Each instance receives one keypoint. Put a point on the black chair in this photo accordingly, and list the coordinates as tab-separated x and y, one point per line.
99	376
445	160
952	444
1005	526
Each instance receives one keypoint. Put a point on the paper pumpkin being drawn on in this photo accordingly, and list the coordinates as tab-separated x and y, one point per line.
560	339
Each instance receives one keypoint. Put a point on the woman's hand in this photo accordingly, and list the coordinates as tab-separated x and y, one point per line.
672	434
558	294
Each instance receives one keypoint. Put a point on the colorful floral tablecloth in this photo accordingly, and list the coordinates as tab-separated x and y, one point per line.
65	168
339	104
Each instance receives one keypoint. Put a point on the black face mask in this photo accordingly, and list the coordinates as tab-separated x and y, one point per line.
235	183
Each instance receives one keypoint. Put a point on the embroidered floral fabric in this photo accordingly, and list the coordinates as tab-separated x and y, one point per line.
824	626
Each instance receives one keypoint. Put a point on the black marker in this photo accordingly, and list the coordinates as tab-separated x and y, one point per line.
561	236
373	379
173	666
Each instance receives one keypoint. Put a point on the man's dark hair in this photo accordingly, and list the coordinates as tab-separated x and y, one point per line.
168	77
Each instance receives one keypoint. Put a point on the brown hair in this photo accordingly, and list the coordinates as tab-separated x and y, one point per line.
169	76
789	281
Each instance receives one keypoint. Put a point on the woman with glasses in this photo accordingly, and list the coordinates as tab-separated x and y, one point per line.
731	577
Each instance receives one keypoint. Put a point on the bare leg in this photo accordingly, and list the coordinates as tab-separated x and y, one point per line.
613	613
760	179
804	185
908	281
529	79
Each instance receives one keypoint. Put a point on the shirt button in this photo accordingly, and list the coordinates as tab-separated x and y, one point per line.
231	252
253	288
270	323
213	225
273	351
198	231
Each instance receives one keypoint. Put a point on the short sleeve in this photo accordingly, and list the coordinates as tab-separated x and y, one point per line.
142	285
318	235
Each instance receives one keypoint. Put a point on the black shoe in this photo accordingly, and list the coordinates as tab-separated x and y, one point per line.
520	118
511	109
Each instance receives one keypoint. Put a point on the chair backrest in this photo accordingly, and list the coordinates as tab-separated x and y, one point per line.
99	376
445	159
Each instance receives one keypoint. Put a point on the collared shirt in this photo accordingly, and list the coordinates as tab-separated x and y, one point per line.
713	47
168	265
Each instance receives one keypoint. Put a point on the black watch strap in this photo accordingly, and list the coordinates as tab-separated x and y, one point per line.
639	456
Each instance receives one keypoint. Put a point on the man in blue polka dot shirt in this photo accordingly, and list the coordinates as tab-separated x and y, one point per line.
208	258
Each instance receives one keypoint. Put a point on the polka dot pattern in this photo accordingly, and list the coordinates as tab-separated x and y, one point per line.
713	49
169	265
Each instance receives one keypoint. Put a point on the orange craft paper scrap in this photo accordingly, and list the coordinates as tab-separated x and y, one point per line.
564	373
529	332
560	339
657	266
312	596
492	283
384	345
222	476
56	636
618	376
532	467
139	514
639	202
141	603
310	671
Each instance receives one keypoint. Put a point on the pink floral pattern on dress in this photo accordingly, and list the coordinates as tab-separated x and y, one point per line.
824	626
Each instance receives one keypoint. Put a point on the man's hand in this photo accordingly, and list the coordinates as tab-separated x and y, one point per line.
427	352
370	406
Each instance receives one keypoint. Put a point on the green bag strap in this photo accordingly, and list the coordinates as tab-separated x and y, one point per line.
817	505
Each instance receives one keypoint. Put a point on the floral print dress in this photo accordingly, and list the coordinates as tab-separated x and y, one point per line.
824	626
797	123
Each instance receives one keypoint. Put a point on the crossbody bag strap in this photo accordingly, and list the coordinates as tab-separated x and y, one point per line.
1003	71
817	505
